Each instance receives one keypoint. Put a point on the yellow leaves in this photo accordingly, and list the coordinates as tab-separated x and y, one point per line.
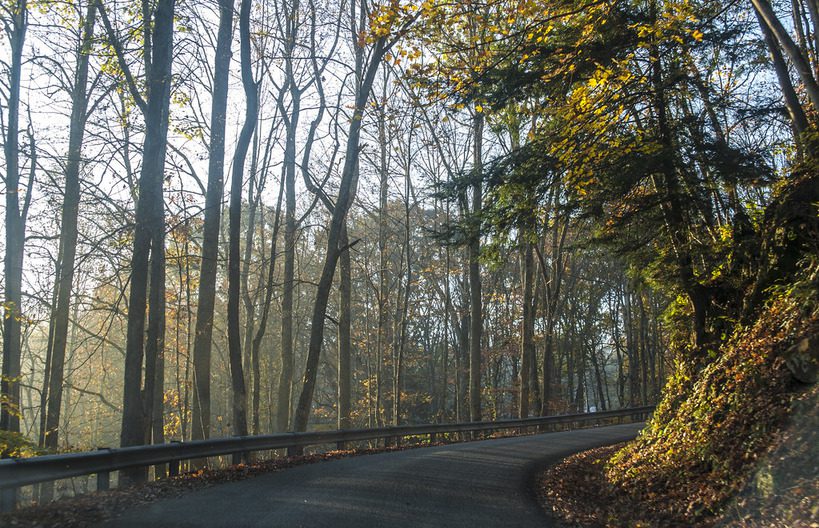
479	109
643	30
676	23
385	18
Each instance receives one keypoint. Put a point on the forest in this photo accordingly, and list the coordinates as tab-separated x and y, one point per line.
243	217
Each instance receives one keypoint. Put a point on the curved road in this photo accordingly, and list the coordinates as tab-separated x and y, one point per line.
473	484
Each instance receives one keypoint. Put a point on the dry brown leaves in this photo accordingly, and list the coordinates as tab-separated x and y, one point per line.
577	493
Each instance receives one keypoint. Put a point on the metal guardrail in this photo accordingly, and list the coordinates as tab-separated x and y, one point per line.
15	473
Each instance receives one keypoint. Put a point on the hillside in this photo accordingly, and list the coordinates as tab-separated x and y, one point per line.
734	443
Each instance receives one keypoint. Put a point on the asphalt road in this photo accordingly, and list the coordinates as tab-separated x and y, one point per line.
473	484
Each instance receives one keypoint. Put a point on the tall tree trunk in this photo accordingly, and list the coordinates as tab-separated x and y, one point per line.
462	359
235	213
799	120
155	339
344	334
203	340
631	352
248	299
68	228
553	284
284	403
618	348
798	59
287	357
527	346
382	338
447	331
674	214
407	290
813	9
346	194
268	301
476	312
15	231
598	379
149	232
49	351
643	350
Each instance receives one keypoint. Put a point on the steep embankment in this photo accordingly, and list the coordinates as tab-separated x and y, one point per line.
734	442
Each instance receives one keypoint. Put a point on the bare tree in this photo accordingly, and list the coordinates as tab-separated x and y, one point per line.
203	340
148	258
234	276
15	22
68	228
366	68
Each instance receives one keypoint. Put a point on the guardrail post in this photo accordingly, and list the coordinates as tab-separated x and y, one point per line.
431	438
173	468
8	499
103	480
103	477
173	465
